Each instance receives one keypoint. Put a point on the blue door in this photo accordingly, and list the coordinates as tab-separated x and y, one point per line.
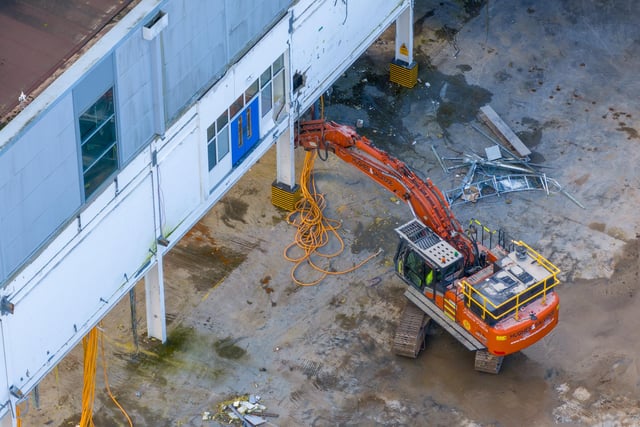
245	131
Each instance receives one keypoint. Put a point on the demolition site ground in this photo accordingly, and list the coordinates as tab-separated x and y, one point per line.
563	76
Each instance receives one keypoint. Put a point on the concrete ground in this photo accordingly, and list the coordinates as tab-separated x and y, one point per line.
563	75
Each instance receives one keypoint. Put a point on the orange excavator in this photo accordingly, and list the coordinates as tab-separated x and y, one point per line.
495	301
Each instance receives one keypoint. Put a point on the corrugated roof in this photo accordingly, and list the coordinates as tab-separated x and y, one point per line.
37	39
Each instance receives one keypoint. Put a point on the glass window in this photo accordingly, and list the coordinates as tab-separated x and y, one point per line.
218	140
278	64
414	269
240	141
96	115
211	132
236	106
265	99
249	122
222	120
278	92
223	143
211	153
98	141
265	77
251	91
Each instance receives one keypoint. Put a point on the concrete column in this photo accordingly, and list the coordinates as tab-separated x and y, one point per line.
154	290
285	158
404	36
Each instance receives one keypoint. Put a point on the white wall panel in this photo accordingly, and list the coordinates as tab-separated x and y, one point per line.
179	175
65	304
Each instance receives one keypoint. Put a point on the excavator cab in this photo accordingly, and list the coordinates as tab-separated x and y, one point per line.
425	261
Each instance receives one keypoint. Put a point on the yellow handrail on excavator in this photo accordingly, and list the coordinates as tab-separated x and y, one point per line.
545	286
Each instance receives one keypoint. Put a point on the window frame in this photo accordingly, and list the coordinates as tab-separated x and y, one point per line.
104	125
215	138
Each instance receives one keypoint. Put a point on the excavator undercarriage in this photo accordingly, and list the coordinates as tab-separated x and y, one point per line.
487	362
411	333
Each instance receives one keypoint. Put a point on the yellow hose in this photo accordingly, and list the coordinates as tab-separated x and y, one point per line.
314	230
90	346
106	381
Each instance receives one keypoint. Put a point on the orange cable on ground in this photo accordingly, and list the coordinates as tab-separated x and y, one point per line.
90	346
106	382
314	230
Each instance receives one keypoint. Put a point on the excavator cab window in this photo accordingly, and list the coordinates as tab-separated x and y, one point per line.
413	268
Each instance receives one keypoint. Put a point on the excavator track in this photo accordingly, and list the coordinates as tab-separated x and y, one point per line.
411	332
487	362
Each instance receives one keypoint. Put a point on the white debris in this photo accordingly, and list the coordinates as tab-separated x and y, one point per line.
255	420
246	406
581	394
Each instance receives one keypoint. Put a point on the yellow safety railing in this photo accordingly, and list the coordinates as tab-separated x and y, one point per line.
475	298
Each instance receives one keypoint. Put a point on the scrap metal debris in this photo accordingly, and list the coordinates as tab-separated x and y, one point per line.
494	174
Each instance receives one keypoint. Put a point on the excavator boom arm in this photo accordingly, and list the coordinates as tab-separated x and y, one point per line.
425	200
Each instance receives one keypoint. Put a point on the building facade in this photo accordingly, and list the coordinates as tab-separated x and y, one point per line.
120	155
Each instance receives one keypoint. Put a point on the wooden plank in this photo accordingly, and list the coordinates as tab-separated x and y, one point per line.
490	118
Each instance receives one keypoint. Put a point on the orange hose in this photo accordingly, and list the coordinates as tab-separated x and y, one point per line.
314	230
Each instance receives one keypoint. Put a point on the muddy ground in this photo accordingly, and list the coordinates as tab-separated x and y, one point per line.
563	75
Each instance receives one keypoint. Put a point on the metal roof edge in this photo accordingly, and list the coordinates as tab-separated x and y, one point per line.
65	82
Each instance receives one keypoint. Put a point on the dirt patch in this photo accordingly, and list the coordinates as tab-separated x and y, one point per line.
203	261
228	349
234	210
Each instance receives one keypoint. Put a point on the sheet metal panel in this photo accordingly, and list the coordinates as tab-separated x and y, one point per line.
43	188
134	95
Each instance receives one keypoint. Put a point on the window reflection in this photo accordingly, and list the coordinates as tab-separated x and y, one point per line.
98	142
